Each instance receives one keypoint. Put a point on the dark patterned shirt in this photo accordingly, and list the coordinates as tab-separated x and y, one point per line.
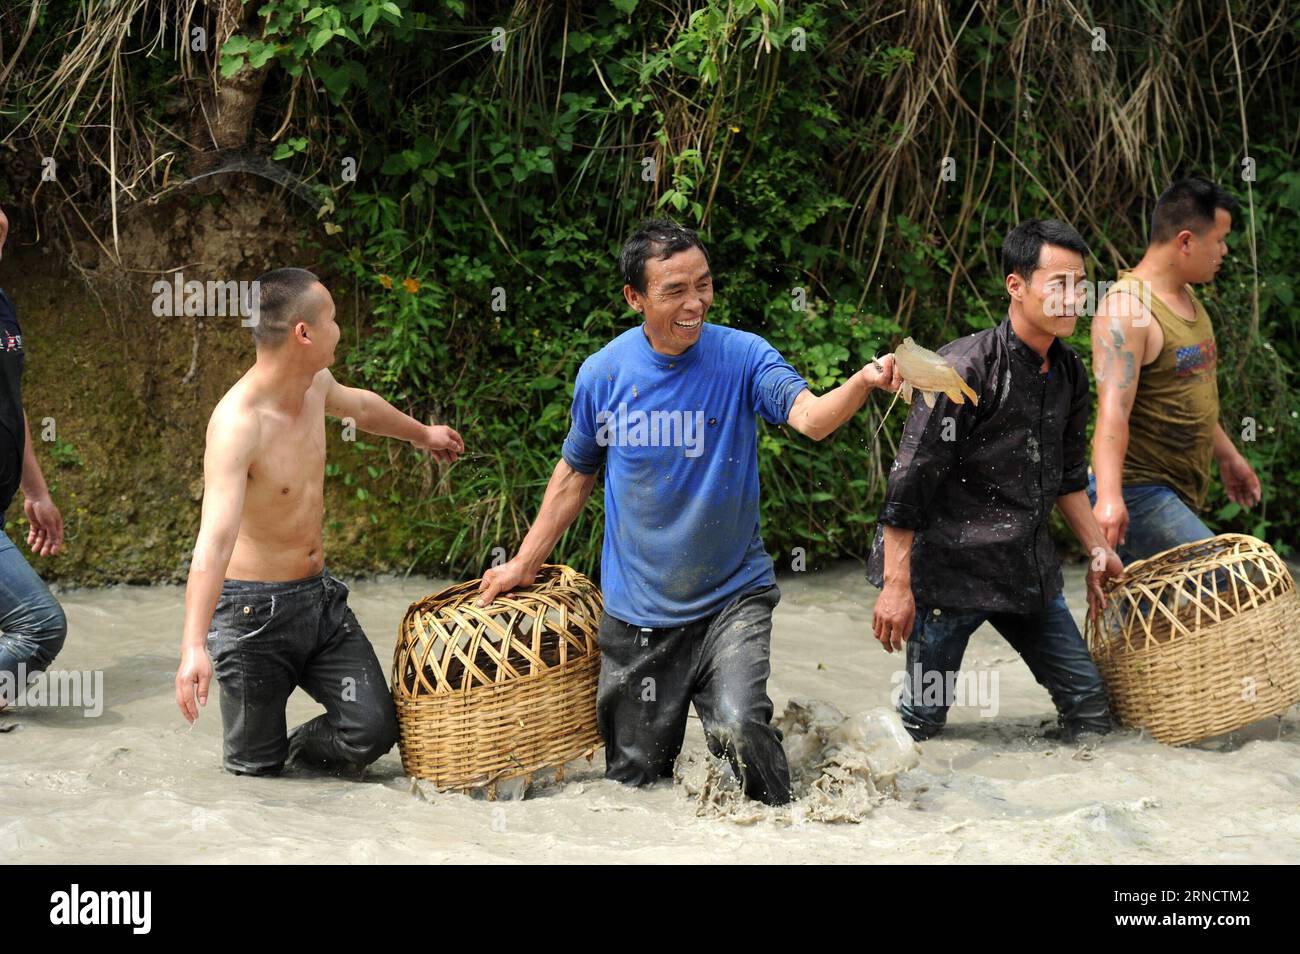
978	484
13	434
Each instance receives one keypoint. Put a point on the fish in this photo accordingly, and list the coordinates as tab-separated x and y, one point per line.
923	370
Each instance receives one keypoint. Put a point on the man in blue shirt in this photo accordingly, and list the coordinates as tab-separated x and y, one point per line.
668	408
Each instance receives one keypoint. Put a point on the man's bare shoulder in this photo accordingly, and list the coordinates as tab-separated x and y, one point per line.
235	423
1123	305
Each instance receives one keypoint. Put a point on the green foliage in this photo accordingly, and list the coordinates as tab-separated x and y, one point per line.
493	190
65	455
500	150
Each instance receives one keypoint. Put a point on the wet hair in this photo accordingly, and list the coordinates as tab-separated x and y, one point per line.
662	238
1189	204
1024	244
281	296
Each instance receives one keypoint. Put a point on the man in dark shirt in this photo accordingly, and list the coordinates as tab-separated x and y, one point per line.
963	532
32	625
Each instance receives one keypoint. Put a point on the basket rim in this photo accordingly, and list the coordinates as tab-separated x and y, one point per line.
458	592
556	671
1137	567
492	630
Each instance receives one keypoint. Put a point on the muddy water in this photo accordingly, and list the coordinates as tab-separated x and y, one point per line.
136	784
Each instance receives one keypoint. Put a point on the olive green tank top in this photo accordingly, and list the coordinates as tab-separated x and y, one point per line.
1171	426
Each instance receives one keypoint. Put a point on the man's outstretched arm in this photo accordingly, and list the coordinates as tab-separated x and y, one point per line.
566	493
819	416
376	416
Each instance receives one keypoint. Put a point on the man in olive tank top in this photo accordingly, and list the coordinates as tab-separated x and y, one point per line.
1154	357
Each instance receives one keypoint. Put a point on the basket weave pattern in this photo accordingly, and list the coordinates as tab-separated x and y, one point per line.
1200	640
499	691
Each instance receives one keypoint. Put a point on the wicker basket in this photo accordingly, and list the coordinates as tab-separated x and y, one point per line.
501	691
1200	640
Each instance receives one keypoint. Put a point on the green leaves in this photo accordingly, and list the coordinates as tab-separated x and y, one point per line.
520	171
290	147
298	33
1228	511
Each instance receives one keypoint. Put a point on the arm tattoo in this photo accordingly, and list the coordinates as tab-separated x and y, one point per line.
1121	358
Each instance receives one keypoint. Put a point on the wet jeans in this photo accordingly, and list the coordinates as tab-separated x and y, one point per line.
1158	520
32	625
650	677
1049	642
269	638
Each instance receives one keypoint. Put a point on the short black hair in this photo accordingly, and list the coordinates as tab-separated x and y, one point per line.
1024	244
662	238
1189	204
280	294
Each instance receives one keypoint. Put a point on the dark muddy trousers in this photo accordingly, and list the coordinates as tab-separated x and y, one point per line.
1049	642
650	677
269	638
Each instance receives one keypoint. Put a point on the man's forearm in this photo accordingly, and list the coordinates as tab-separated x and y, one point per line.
379	417
898	556
566	493
1077	512
1224	449
33	481
203	588
1109	445
828	411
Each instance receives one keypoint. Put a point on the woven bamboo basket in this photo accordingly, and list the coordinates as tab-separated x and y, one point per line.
1200	640
501	691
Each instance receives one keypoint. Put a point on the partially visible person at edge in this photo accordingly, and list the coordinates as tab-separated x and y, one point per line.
1158	400
689	590
963	536
32	624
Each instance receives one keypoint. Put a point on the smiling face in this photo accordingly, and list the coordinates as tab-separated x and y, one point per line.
1049	300
679	291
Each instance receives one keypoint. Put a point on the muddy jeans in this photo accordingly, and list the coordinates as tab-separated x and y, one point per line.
269	638
1158	520
1049	642
650	677
32	624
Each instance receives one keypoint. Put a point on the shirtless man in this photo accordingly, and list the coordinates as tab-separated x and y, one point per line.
1158	398
281	619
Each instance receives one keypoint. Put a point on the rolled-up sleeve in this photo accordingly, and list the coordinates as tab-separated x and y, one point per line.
583	449
775	383
1074	448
